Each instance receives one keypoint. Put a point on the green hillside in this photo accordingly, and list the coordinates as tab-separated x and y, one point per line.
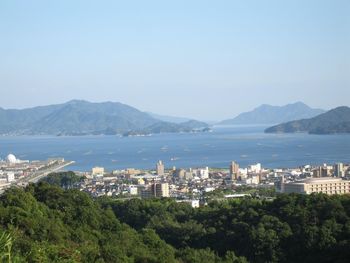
44	223
334	121
83	118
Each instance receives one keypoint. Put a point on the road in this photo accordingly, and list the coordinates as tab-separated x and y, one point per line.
34	178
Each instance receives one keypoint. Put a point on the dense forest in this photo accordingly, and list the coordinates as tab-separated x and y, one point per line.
46	223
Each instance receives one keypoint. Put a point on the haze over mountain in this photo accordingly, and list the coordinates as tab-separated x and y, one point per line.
334	121
173	119
267	114
78	117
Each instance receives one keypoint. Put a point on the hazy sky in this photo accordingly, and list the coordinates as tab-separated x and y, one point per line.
203	59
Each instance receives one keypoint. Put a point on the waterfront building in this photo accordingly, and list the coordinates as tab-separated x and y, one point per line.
326	185
98	171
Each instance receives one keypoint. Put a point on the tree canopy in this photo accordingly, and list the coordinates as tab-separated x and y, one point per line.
46	223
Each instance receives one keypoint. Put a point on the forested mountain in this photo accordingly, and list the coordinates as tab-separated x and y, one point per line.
267	114
82	117
44	223
334	121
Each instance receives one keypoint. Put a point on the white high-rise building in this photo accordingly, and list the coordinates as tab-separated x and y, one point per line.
203	173
255	168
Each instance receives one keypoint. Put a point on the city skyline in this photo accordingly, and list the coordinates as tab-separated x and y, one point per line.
200	59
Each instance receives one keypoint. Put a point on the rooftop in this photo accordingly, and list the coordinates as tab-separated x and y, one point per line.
320	180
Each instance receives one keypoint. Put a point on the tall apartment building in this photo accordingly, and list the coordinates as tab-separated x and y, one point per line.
203	173
338	170
160	190
155	190
234	171
321	171
180	173
160	168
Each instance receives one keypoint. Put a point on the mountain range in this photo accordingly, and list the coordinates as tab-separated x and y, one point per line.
79	117
267	114
334	121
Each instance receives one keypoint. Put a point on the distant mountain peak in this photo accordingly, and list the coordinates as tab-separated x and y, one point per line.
73	102
299	103
268	114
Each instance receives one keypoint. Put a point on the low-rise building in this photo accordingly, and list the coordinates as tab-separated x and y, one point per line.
326	185
98	171
133	190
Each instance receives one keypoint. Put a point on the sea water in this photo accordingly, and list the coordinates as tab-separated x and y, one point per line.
243	144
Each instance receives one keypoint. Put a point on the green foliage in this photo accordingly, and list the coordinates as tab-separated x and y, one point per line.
6	243
292	228
65	180
54	225
44	223
190	255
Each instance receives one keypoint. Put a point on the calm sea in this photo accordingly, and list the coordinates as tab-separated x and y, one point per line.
246	145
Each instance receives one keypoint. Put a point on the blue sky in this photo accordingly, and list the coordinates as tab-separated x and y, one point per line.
202	59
